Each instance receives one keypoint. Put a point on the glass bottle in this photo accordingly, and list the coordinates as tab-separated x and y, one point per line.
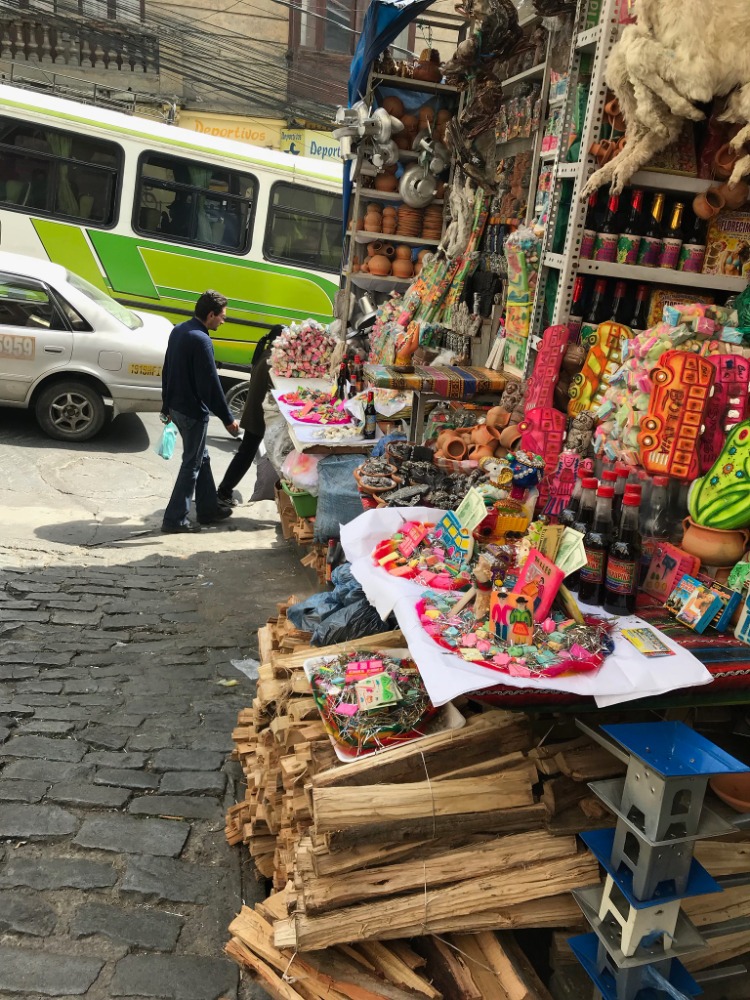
654	523
569	513
371	417
596	542
622	472
624	562
597	311
590	227
620	305
649	252
638	318
584	520
605	244
673	237
357	377
341	382
693	250
576	309
630	237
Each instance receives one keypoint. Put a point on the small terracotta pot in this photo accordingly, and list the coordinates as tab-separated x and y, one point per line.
708	204
394	106
373	221
430	72
380	265
403	253
497	417
482	436
364	267
480	452
713	546
386	182
454	447
725	160
389	250
374	248
355	267
402	268
510	438
734	197
422	254
442	437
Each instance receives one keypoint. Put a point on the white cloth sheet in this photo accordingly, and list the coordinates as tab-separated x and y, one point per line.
624	676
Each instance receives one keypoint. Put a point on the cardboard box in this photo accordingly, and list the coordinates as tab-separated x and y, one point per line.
728	245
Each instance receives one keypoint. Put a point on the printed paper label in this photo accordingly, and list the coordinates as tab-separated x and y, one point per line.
622	576
593	571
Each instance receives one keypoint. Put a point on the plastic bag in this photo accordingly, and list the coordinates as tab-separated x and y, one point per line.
301	470
167	441
276	439
265	480
355	621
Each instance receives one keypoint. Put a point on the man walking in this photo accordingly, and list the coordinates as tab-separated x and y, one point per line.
191	391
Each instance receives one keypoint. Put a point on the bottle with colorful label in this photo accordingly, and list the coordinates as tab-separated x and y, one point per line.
605	244
649	252
624	562
629	241
673	239
589	228
596	542
693	250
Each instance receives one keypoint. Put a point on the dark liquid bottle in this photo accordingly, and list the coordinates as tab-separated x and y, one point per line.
655	523
638	318
370	418
673	237
341	381
356	375
576	309
597	311
596	541
630	237
623	471
605	244
569	513
583	521
649	252
620	303
693	250
589	229
624	562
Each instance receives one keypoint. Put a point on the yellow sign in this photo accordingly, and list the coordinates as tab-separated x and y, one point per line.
308	142
254	131
152	370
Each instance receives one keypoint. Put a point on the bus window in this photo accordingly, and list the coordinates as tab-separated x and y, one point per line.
189	202
304	227
49	172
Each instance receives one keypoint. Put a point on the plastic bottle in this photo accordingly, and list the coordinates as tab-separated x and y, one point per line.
596	541
584	520
624	562
654	522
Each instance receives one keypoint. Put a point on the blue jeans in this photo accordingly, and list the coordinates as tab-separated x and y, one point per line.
195	474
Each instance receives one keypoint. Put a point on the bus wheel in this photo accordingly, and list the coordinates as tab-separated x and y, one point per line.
70	411
237	397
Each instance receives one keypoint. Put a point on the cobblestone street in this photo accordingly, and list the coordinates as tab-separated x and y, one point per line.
117	702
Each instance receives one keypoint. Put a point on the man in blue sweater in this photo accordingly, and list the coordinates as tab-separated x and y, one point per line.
191	391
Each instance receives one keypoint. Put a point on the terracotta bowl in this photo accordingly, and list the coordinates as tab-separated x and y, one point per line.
734	789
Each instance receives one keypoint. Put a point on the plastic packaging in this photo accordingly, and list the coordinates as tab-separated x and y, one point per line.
301	470
167	442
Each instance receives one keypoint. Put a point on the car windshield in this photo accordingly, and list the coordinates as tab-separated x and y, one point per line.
120	313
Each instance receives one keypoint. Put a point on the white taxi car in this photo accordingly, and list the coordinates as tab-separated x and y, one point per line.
71	352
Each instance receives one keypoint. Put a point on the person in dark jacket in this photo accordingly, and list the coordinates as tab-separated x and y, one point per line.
252	421
191	391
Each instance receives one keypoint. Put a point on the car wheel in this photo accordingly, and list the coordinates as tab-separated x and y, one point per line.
70	411
237	397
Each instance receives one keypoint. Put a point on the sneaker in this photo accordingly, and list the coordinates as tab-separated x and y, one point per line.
226	502
179	529
220	514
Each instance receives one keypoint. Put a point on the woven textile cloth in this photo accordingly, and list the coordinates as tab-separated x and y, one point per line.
447	381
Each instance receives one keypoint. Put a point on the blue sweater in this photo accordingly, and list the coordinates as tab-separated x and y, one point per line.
189	381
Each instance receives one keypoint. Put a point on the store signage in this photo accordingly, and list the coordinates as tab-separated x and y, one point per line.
254	131
309	142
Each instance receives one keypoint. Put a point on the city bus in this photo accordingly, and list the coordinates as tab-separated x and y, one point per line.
154	214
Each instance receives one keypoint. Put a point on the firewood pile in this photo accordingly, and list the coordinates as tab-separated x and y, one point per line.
405	874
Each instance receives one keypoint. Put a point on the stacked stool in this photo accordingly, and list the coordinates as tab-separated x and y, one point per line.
639	930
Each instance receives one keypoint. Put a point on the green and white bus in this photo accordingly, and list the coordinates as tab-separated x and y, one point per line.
154	214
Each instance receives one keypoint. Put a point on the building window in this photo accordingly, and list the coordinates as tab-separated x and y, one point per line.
304	227
329	25
185	201
45	171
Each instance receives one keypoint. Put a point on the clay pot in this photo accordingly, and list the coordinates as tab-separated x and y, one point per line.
418	267
510	438
355	267
708	204
403	268
389	250
482	436
374	248
364	267
734	197
454	446
442	438
430	72
373	222
497	417
713	546
394	106
444	116
480	452
422	254
426	115
725	160
386	182
380	265
403	140
411	125
403	253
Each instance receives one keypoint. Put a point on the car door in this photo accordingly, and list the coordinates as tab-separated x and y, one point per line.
34	336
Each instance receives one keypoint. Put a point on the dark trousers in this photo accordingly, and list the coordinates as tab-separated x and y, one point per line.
240	463
195	474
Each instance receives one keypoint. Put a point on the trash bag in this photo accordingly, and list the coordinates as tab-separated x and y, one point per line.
168	441
266	478
354	621
339	501
308	614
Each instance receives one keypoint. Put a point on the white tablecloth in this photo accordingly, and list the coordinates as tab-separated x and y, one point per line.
624	676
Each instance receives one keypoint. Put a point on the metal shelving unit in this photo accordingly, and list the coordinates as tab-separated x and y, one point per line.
590	52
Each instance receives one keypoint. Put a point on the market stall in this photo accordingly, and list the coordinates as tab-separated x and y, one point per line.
554	526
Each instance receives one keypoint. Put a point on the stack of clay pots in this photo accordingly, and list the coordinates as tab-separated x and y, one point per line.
379	258
402	266
409	221
387	180
373	220
390	220
432	222
494	438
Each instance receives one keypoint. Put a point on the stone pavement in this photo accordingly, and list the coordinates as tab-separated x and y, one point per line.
115	879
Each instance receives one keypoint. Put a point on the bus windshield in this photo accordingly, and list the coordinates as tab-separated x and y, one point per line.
119	312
